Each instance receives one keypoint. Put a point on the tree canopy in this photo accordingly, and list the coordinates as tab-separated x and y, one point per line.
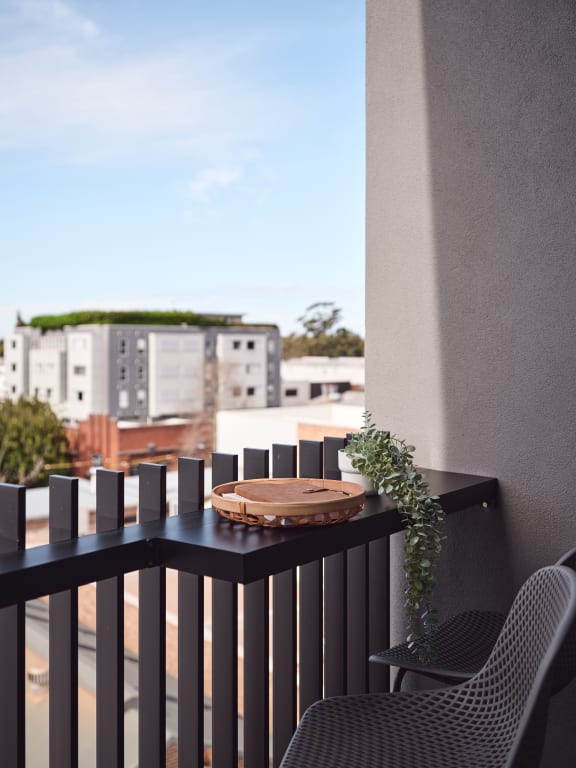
31	436
321	336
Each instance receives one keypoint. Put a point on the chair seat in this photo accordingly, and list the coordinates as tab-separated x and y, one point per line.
456	651
428	729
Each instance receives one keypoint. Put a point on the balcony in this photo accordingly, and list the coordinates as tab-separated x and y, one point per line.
306	607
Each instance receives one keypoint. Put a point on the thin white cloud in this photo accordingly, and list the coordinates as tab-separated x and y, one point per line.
208	181
67	89
58	17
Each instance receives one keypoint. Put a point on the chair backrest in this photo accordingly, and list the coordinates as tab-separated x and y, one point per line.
565	665
512	690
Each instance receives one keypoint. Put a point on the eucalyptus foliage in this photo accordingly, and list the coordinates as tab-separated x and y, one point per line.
31	436
388	462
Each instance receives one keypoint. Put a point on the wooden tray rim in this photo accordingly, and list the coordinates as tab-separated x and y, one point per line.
289	509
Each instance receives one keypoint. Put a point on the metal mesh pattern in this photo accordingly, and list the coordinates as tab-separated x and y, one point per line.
457	650
482	723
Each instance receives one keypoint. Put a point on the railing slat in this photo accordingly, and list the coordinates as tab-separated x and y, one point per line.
331	447
256	463
379	610
63	637
284	634
256	645
284	657
224	468
311	458
12	635
190	629
335	625
284	460
357	610
224	674
311	464
224	646
152	630
109	631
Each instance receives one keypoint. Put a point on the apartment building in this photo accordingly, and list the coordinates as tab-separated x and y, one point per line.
145	372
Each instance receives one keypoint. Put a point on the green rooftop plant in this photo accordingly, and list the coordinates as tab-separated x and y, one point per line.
388	462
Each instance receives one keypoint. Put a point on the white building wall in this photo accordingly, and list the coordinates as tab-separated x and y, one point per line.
324	369
16	349
175	373
242	371
86	375
48	375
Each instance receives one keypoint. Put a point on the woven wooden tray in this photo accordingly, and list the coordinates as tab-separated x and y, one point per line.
288	501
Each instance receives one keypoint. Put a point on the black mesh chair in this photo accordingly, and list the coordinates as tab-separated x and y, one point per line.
458	648
497	719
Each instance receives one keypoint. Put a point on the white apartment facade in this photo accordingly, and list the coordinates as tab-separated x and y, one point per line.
145	372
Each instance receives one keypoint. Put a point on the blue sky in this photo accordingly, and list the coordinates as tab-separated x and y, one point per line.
182	155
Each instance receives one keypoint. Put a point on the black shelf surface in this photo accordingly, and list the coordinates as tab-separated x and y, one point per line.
207	544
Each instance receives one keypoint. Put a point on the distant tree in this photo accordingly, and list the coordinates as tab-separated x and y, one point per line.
321	336
31	436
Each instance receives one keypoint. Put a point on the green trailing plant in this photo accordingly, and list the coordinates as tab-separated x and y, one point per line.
388	462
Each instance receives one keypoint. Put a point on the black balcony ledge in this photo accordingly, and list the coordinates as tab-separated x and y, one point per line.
205	544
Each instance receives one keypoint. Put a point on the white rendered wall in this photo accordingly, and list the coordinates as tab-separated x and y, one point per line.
48	375
175	373
85	373
471	277
16	361
242	371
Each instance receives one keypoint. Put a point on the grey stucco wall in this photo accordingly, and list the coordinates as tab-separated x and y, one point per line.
471	275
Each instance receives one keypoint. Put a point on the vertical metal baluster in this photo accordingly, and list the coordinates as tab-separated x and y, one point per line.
224	468
335	571
109	631
12	635
63	634
256	650
284	460
331	447
311	464
284	649
190	629
284	637
335	625
357	643
379	610
152	630
224	646
256	463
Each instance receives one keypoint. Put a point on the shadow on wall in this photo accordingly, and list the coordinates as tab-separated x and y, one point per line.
502	152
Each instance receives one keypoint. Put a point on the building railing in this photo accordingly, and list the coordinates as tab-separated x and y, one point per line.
321	595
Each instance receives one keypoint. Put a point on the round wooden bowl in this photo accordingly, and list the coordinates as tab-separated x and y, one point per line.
288	502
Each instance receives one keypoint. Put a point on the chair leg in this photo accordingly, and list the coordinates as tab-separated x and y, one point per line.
398	680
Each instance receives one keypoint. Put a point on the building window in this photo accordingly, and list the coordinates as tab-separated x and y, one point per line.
79	370
236	344
250	345
13	389
13	366
79	394
123	373
250	391
236	391
140	373
141	396
123	346
290	392
36	392
141	345
123	398
13	343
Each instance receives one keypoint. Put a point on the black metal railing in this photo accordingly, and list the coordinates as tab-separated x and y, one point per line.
324	590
